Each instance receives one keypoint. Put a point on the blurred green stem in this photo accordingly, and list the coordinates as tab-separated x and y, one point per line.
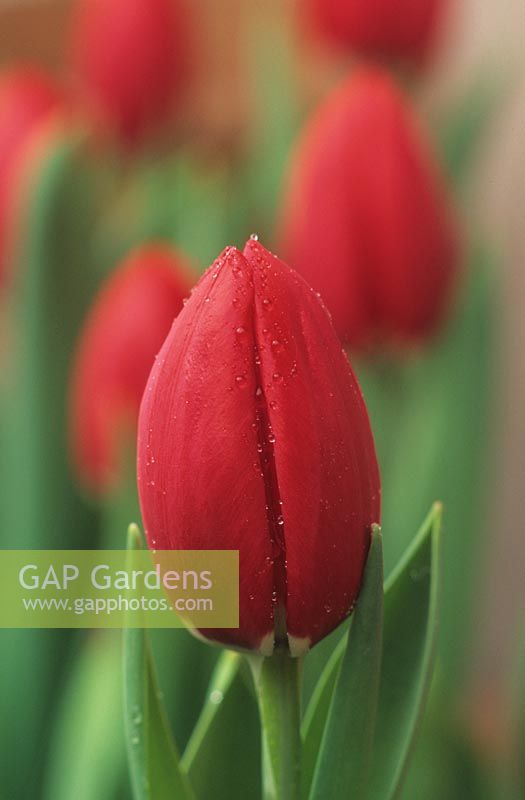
277	680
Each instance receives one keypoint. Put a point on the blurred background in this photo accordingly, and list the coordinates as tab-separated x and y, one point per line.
480	45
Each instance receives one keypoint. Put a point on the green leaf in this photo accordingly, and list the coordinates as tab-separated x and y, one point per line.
445	427
409	649
152	753
405	645
346	748
227	732
314	719
88	759
224	674
466	124
40	505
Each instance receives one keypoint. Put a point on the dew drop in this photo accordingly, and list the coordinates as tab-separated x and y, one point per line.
254	237
240	331
240	380
216	697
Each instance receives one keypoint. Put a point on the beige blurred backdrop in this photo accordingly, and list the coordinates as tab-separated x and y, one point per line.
481	37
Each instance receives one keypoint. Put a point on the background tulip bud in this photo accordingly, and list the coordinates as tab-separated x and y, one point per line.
253	435
367	220
27	98
123	333
395	30
130	59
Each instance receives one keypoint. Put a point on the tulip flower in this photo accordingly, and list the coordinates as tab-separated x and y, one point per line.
392	30
254	436
27	98
366	218
130	58
121	337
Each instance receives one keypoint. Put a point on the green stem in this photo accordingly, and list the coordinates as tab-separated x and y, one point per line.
277	681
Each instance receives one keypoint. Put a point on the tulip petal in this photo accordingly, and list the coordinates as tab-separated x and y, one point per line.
367	220
124	331
326	466
200	479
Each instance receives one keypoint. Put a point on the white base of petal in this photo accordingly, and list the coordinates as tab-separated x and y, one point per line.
298	647
267	645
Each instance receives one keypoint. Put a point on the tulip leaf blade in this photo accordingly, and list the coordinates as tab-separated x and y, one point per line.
465	125
224	674
421	558
88	726
409	650
51	283
152	754
314	719
227	731
346	747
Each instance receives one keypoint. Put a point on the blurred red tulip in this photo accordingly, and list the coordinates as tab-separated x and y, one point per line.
120	340
366	220
392	30
130	60
254	436
27	98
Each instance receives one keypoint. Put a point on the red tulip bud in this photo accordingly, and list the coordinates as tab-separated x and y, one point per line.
367	221
393	30
254	436
27	98
123	333
130	59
